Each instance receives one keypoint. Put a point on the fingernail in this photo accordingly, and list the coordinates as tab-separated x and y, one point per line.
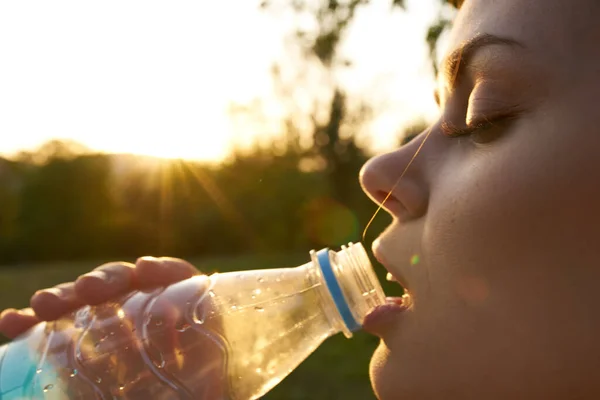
103	276
93	276
53	291
7	311
27	311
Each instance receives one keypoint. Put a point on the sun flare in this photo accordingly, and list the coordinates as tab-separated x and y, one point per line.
174	146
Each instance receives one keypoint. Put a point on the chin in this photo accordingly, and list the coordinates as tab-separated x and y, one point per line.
402	377
386	382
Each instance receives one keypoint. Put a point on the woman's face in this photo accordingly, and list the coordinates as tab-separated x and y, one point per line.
504	217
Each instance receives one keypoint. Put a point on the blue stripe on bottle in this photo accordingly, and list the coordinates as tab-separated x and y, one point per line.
336	291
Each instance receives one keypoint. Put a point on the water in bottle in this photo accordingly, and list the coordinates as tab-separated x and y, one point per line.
226	336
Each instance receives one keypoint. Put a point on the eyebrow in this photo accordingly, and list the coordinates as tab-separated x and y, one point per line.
456	63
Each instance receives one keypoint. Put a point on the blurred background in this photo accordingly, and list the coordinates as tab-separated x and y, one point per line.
228	133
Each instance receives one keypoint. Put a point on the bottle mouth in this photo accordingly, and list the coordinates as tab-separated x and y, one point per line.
354	259
352	283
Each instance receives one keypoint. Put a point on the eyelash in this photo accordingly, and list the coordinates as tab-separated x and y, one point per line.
453	131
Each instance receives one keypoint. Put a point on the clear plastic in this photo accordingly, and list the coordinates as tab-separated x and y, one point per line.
225	336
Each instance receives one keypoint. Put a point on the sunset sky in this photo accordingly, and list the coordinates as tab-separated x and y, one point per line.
158	78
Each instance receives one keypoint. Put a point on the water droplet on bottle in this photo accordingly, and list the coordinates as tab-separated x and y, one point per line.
257	291
199	314
98	379
233	308
160	363
148	319
158	322
73	373
83	317
121	313
259	309
98	344
184	326
259	370
156	356
38	371
261	279
48	387
211	293
121	387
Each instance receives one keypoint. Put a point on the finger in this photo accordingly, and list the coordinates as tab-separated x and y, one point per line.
106	282
50	304
15	322
156	272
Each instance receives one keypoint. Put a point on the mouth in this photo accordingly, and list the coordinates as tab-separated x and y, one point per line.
382	319
406	299
393	277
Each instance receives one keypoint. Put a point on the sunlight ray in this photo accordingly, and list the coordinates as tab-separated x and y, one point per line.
226	207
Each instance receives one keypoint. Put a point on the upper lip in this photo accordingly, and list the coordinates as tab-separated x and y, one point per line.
378	253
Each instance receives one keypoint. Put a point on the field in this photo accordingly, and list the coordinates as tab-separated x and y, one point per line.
337	370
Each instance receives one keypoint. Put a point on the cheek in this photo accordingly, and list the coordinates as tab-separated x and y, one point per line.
509	231
527	199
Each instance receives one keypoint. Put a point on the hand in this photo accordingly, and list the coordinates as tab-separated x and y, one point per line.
191	358
107	282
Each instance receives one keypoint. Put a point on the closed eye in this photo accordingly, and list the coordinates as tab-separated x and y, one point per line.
481	131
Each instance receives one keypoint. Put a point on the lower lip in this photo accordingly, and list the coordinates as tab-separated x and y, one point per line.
383	317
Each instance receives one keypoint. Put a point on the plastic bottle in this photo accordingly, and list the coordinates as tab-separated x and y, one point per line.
226	336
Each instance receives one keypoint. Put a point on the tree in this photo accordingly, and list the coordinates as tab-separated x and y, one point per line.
64	204
438	28
11	176
318	59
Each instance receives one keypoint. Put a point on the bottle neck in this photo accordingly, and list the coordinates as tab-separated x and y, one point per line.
351	286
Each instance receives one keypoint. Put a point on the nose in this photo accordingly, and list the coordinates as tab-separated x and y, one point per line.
396	180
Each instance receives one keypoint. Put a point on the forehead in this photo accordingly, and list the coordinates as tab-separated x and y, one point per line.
556	31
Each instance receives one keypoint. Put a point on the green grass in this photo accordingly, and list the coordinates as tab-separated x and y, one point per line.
337	370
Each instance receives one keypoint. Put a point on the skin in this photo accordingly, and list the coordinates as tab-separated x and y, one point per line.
109	281
504	222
